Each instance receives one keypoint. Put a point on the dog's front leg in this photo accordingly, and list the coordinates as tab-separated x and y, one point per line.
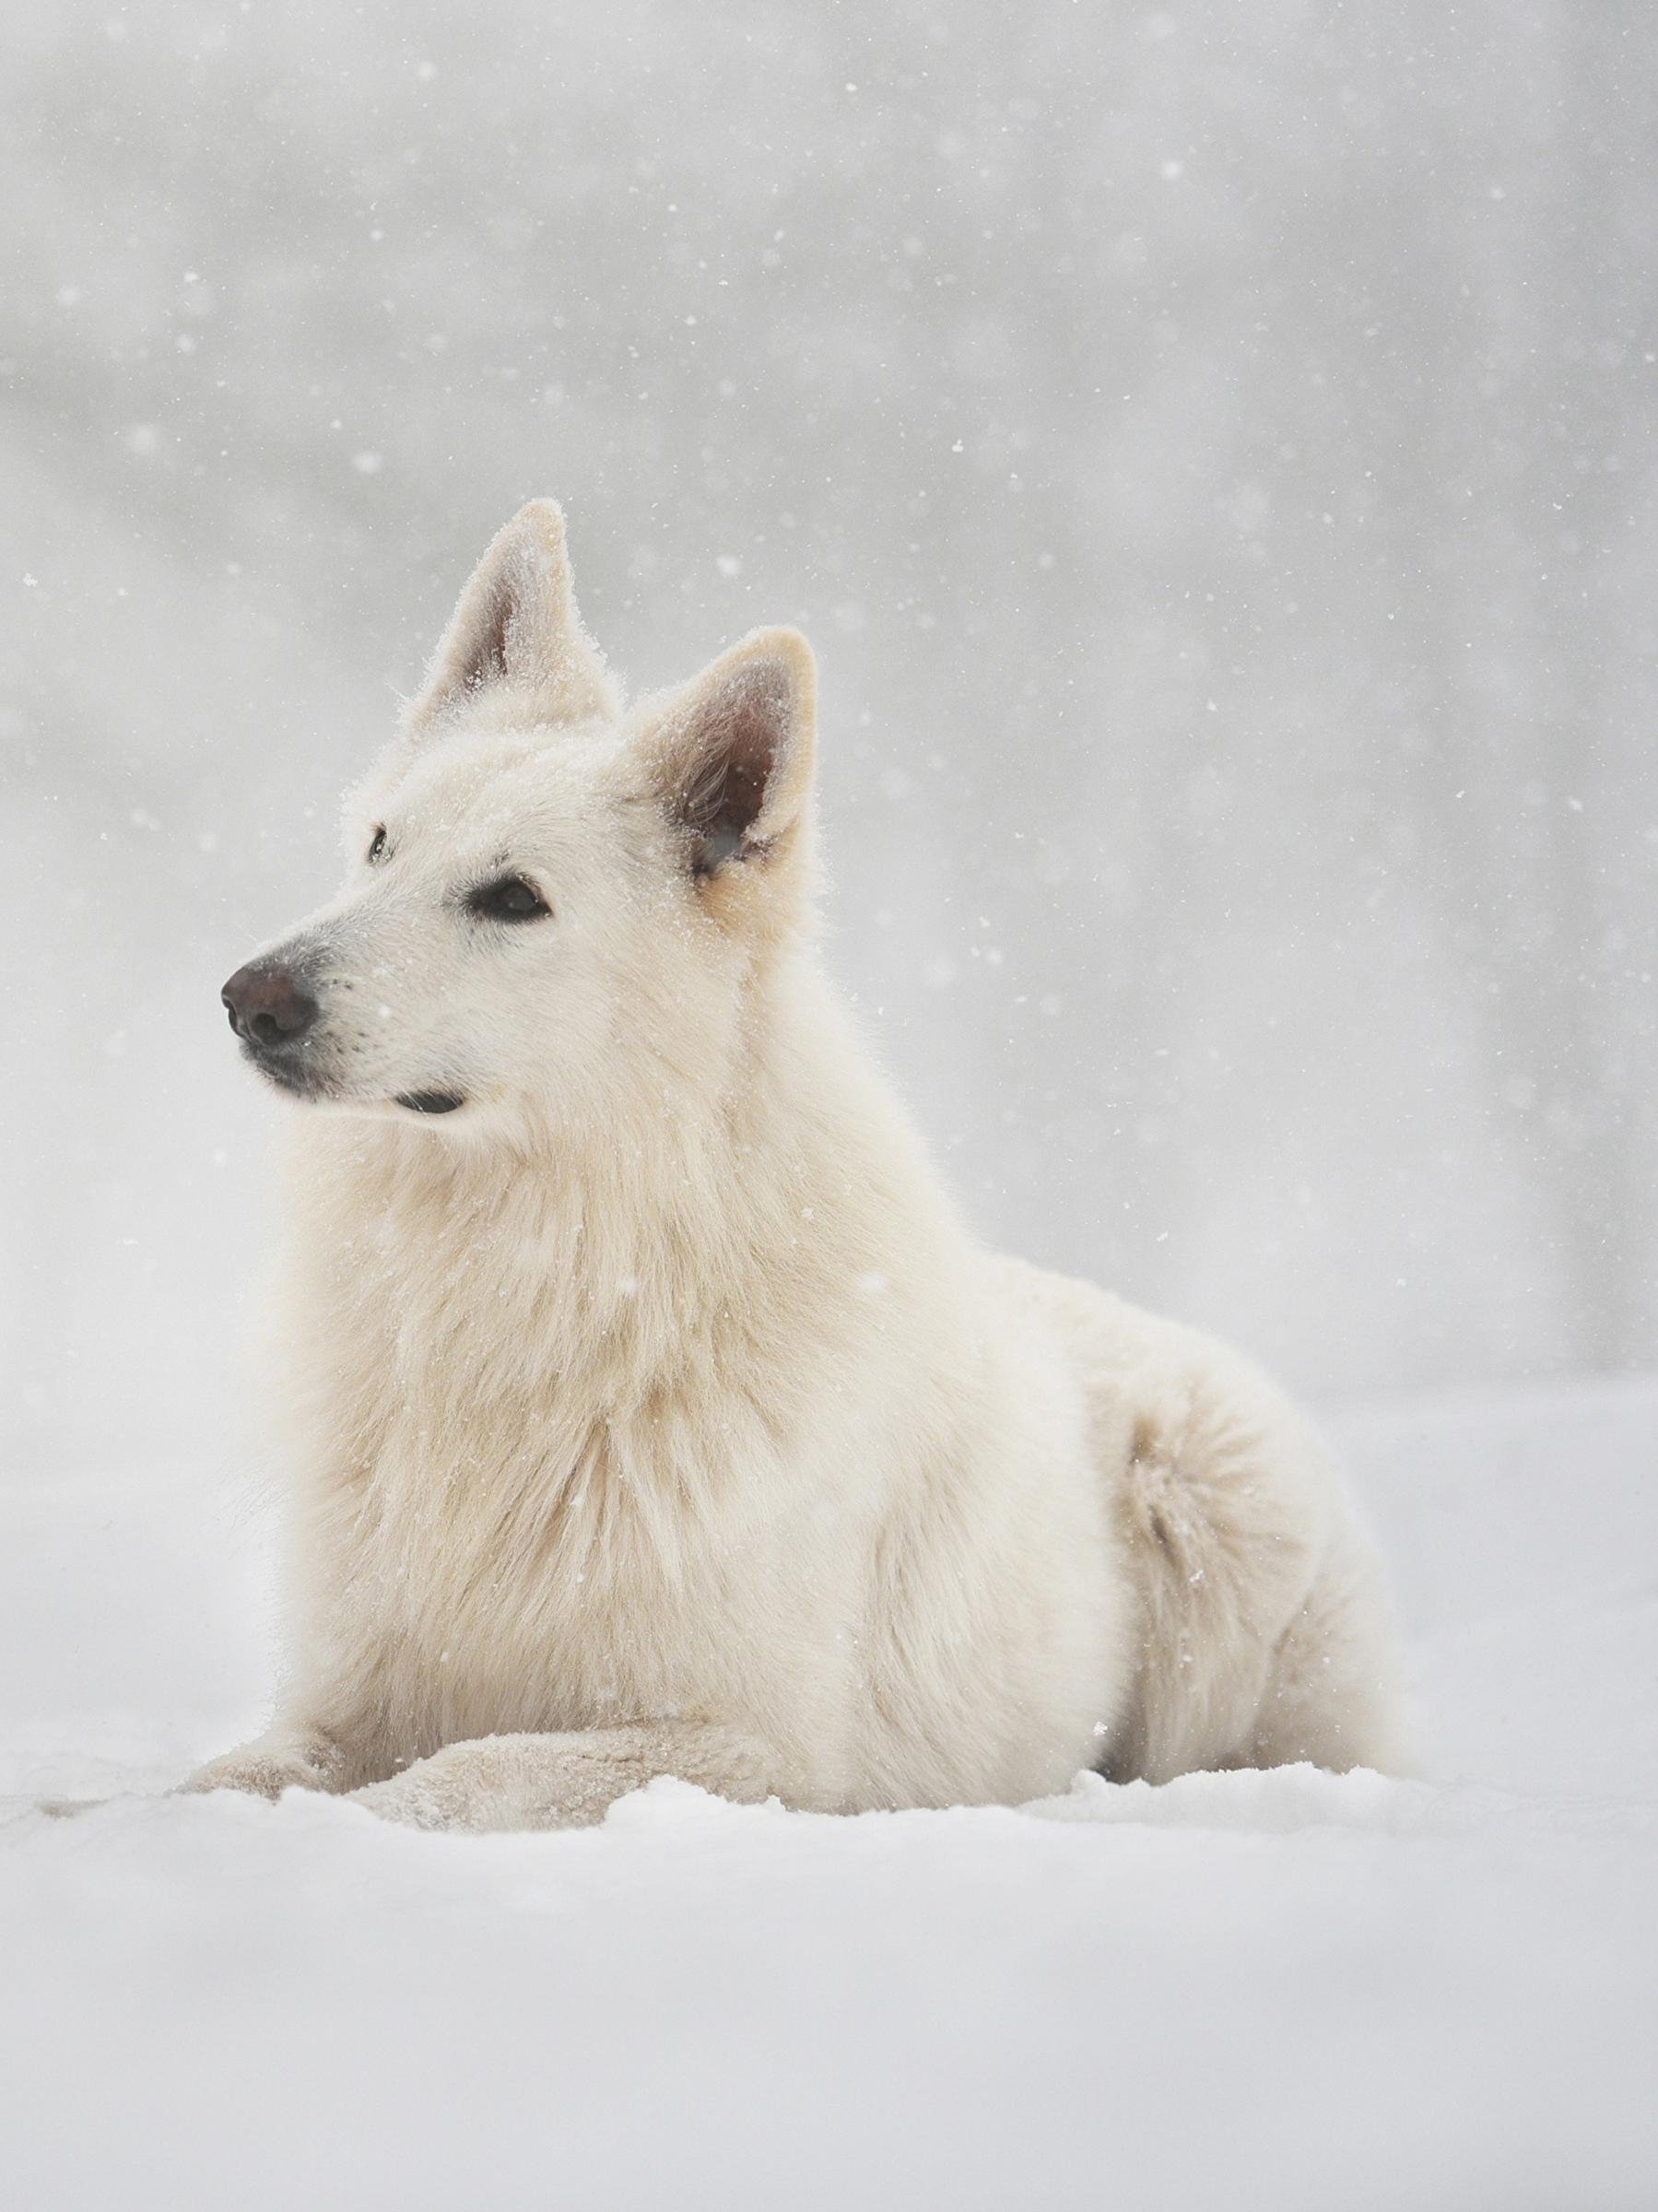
294	1753
567	1780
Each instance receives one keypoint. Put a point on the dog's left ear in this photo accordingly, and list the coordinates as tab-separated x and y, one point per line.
515	642
732	754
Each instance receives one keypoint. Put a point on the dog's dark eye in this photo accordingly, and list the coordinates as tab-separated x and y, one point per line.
508	898
377	843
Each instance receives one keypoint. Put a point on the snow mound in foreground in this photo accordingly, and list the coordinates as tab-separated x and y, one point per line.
1277	1990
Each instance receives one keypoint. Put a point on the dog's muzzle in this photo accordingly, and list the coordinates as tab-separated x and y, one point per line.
275	1016
269	1008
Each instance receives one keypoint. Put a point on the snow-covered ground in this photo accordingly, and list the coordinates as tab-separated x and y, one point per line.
1276	1990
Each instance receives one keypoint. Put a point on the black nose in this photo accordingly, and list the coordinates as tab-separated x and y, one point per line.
267	1007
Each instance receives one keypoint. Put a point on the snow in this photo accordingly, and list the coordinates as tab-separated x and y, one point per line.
1286	1990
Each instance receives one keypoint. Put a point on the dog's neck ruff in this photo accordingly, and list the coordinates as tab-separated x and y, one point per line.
634	1261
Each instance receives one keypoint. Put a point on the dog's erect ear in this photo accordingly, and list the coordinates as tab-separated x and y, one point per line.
516	641
732	753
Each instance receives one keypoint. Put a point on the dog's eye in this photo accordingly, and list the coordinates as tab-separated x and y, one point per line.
508	898
377	843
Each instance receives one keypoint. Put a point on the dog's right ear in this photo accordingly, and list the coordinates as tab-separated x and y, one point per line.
515	642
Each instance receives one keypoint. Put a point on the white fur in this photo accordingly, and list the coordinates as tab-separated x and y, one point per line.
655	1411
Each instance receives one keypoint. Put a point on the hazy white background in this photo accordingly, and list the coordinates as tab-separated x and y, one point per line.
1212	450
1209	448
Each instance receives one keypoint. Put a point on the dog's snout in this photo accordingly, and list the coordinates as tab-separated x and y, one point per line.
268	1006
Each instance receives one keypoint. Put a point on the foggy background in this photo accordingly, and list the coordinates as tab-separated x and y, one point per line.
1210	451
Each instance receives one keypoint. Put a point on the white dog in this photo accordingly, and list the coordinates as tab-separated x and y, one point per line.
657	1415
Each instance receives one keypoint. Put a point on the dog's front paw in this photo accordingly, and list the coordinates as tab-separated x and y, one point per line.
263	1770
495	1784
436	1792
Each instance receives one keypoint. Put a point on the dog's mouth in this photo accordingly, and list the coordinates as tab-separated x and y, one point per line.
298	1081
301	1082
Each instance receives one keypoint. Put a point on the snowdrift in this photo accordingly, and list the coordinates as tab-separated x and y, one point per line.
1278	1991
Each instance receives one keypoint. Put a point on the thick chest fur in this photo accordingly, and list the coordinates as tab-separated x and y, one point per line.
524	1524
589	1576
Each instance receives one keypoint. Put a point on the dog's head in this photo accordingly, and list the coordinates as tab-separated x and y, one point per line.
543	893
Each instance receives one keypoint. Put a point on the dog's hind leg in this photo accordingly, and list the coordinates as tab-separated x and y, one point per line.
1333	1695
567	1780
